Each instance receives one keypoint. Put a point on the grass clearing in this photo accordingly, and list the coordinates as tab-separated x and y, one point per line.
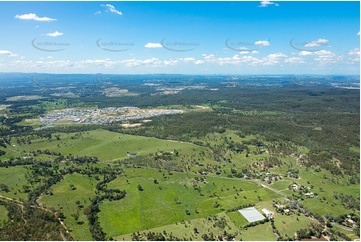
355	149
24	98
14	178
64	199
3	215
261	232
105	145
175	197
349	234
288	225
237	218
194	229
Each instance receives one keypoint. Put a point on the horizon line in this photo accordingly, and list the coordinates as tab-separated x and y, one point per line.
180	74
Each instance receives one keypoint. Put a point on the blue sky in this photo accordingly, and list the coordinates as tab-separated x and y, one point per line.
180	37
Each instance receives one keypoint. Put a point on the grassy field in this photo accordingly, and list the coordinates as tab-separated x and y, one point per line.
237	219
351	235
64	199
288	225
262	232
24	98
355	149
3	215
172	199
186	229
104	144
283	185
14	178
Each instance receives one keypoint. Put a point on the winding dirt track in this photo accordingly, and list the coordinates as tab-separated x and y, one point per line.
21	204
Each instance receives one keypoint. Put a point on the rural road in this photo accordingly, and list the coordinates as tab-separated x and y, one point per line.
38	207
270	188
342	227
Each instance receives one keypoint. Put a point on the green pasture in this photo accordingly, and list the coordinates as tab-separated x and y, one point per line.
105	145
65	199
193	229
262	232
3	215
14	178
172	198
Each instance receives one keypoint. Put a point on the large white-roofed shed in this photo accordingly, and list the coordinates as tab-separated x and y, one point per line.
251	214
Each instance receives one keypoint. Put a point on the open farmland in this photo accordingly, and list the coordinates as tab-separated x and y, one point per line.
166	198
105	145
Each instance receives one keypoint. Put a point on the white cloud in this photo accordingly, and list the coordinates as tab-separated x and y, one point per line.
135	63
100	62
208	56
322	56
234	60
33	16
245	52
111	8
7	52
262	43
98	12
265	3
271	59
355	51
55	34
316	43
153	45
294	60
188	59
305	53
324	52
191	60
152	61
199	62
312	59
354	55
277	55
358	33
325	57
170	62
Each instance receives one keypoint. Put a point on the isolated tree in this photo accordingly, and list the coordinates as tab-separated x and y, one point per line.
140	188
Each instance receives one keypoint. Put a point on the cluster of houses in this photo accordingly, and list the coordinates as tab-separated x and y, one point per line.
296	187
281	208
103	115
